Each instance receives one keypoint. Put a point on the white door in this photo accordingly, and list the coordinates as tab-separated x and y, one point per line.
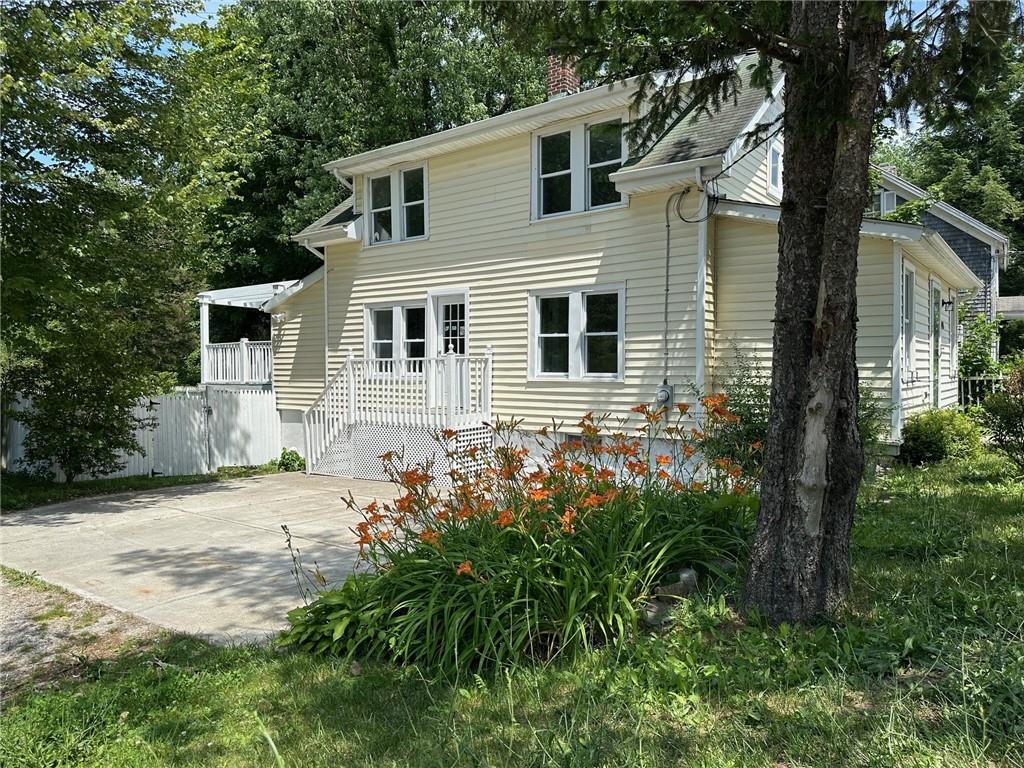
450	336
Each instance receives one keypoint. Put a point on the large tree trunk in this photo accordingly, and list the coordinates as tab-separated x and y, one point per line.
799	567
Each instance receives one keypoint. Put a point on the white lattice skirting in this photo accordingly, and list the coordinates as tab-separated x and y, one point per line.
357	450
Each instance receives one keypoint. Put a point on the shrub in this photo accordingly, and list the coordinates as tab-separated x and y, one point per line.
939	434
750	391
528	561
1002	414
979	340
291	461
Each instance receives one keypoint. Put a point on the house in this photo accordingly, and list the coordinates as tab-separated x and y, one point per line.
533	265
980	247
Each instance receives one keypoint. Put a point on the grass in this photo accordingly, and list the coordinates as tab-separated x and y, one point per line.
58	611
24	491
925	668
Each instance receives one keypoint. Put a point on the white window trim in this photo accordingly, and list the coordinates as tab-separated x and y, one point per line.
397	205
909	344
579	166
397	329
577	335
433	321
774	190
934	367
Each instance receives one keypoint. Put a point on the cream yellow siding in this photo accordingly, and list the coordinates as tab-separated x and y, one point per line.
746	258
482	240
748	177
299	348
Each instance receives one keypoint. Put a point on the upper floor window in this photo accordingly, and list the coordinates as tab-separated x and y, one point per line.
397	205
578	333
775	168
573	166
882	202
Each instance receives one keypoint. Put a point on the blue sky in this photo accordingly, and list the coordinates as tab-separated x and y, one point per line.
208	13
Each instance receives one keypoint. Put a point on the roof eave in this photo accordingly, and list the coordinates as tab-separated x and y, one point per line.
631	181
617	94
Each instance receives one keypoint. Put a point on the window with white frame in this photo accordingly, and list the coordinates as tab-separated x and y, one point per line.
775	167
882	203
909	279
397	205
573	168
578	333
397	332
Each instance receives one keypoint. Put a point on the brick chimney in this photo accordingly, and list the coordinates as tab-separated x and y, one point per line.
562	77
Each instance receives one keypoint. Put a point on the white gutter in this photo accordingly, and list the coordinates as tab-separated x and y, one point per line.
630	181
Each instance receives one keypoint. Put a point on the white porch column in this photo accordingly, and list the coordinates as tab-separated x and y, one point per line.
204	340
488	378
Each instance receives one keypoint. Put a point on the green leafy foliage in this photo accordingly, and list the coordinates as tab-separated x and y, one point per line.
291	461
522	563
1002	413
938	434
976	346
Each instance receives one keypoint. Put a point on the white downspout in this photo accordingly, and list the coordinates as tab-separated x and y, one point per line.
702	288
327	343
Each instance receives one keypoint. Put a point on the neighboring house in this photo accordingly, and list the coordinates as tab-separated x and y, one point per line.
980	247
532	265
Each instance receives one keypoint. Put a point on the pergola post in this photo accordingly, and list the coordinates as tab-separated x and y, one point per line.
204	340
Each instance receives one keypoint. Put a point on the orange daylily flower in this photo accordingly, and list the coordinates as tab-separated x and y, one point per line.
539	494
505	518
568	517
465	568
430	537
663	460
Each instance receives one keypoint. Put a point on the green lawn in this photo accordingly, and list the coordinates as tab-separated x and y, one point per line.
22	491
926	669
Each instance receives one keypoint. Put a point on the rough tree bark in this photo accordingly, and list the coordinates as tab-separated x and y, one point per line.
799	568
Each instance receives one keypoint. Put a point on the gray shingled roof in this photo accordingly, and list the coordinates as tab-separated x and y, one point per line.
696	134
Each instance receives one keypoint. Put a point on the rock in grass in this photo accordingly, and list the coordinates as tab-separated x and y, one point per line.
683	583
656	613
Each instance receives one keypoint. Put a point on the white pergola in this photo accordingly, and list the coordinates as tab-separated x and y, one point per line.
244	296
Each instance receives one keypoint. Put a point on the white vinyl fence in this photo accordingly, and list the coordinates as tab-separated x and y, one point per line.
198	430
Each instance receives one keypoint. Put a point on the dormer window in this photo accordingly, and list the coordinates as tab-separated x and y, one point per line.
882	202
397	206
572	166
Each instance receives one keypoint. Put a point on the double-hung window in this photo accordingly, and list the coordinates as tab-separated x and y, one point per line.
573	166
578	333
397	333
397	206
882	203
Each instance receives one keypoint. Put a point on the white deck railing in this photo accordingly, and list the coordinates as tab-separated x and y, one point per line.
974	389
241	362
435	392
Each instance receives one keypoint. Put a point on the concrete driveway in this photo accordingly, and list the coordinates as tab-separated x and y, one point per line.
205	559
